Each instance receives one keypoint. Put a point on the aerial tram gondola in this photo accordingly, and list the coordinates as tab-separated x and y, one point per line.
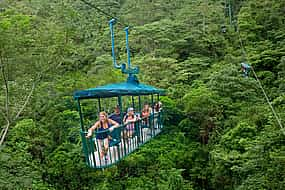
245	69
145	128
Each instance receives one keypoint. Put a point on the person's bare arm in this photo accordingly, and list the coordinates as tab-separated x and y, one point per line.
114	124
91	129
132	120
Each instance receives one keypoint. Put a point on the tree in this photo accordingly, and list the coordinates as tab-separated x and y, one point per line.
202	106
21	157
11	28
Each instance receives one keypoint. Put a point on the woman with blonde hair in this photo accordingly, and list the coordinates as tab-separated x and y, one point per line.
102	126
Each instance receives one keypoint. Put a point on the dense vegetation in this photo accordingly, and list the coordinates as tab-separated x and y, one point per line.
220	132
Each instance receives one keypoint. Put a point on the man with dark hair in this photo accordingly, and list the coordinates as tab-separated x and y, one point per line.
116	116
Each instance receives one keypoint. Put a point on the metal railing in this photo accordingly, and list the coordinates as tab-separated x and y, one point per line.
121	141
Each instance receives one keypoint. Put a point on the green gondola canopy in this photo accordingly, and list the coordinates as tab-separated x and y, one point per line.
131	87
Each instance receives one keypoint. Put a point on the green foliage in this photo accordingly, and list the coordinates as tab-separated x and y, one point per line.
237	138
64	165
22	157
192	68
163	166
172	115
246	159
203	107
153	73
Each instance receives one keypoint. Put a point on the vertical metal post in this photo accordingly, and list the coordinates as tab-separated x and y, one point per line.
111	24
80	114
152	102
122	129
140	104
121	116
127	47
85	148
120	107
99	105
98	145
140	121
133	102
158	114
152	105
93	151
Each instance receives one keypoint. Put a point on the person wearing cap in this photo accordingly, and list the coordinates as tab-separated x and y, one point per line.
129	120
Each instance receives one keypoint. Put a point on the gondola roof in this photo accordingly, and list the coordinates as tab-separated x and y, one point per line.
130	87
